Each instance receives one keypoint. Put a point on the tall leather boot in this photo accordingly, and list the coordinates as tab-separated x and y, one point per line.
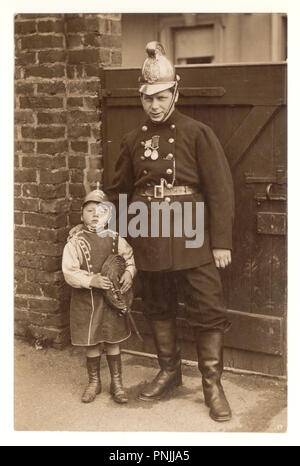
116	387
168	351
94	385
210	362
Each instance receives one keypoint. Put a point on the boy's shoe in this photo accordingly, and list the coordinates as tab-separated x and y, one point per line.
94	386
116	387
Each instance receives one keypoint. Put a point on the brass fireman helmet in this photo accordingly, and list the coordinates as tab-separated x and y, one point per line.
158	73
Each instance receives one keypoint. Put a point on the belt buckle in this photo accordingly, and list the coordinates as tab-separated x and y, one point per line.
159	191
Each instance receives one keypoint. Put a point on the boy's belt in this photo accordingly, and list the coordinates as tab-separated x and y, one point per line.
156	192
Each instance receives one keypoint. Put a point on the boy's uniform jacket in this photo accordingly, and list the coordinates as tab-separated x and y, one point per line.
92	321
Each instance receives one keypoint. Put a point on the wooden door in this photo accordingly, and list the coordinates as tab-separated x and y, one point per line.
246	107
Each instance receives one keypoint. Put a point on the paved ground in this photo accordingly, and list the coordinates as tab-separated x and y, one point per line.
49	383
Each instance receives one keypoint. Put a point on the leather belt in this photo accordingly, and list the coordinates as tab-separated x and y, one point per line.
175	191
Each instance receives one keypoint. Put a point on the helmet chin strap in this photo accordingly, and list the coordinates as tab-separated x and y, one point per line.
167	114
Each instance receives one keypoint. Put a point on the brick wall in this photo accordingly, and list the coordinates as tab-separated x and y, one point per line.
58	155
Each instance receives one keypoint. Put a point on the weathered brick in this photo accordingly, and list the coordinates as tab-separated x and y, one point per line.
104	26
41	102
23	175
83	56
76	176
116	57
51	56
49	191
51	26
25	27
45	71
24	88
43	132
17	190
27	260
48	118
61	291
24	246
57	147
95	149
24	233
82	116
96	162
75	218
77	162
41	276
18	218
28	288
104	56
53	176
18	73
43	304
94	176
17	161
30	190
38	42
52	320
52	88
53	206
62	234
116	27
110	41
84	87
45	161
45	220
92	23
43	248
96	132
79	131
28	205
26	147
24	59
21	302
79	146
77	190
76	205
73	41
24	118
92	102
20	274
75	102
92	70
71	72
75	24
50	264
91	40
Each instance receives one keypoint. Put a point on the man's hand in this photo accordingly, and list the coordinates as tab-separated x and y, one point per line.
222	257
100	281
126	281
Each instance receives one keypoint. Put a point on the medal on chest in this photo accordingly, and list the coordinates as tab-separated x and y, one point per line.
151	148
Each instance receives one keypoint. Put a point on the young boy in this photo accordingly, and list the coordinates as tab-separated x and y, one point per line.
92	321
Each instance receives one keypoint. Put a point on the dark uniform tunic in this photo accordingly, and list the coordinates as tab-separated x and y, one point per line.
189	155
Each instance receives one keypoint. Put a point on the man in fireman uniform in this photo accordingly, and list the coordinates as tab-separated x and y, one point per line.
173	158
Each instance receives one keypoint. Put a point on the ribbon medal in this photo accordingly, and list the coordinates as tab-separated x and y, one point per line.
151	148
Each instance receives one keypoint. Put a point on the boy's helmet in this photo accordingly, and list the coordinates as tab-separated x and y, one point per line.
95	196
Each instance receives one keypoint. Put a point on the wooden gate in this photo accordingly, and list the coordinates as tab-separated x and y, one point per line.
246	107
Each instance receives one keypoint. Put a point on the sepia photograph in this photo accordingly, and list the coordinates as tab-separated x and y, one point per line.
150	223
